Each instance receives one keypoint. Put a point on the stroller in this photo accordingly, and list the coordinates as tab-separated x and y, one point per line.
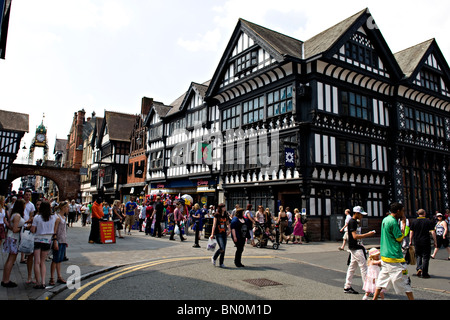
263	238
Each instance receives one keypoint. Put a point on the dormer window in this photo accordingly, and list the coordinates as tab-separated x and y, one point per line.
246	62
359	49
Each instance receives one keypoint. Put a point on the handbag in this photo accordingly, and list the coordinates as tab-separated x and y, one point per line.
26	243
412	255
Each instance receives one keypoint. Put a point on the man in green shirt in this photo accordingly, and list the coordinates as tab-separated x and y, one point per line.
393	268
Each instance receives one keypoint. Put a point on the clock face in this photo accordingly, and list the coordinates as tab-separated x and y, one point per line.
40	137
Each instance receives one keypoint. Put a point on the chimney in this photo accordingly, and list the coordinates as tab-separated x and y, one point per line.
146	105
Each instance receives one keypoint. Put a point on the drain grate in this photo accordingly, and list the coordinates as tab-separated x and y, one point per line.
263	282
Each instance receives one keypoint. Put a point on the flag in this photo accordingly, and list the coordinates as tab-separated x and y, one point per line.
289	157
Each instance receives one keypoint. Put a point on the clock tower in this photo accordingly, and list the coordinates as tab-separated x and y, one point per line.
39	140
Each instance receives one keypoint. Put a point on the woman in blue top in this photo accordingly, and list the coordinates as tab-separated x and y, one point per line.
239	234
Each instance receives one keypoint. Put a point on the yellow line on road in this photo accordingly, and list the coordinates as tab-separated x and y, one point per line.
111	276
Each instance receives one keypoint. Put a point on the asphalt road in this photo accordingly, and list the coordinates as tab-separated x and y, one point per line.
148	268
143	268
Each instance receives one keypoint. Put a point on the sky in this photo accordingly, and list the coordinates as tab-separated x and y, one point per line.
66	55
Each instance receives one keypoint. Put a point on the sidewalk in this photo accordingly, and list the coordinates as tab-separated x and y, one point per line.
97	258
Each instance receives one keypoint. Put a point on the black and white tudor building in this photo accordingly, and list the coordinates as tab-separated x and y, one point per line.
325	124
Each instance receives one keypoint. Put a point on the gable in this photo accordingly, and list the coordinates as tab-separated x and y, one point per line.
247	57
251	49
431	76
356	42
359	51
425	66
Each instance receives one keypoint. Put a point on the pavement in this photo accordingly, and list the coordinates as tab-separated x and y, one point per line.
86	260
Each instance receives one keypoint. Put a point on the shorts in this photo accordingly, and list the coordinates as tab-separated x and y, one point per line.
395	274
129	220
41	246
58	255
345	237
440	241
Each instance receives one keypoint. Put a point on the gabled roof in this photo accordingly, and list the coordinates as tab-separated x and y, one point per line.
282	44
60	145
159	108
14	121
325	40
412	59
278	45
180	103
119	125
328	42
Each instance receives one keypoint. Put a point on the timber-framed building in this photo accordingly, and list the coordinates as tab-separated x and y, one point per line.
323	124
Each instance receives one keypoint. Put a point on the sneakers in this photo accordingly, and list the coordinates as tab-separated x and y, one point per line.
213	261
9	284
350	290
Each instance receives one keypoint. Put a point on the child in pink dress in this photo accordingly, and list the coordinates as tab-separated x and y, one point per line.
374	266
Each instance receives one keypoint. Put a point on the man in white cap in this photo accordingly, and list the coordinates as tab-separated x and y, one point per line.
357	251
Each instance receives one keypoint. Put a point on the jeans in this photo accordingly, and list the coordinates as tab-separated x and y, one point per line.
221	239
423	253
239	249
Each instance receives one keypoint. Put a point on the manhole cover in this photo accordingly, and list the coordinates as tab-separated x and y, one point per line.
263	282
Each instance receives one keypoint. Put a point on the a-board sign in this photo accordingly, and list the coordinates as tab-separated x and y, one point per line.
107	232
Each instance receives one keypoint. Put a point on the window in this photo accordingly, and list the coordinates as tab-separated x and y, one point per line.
196	117
156	160
247	61
425	122
360	49
231	118
253	110
106	150
353	154
409	118
440	131
108	175
155	132
279	101
122	148
430	80
356	105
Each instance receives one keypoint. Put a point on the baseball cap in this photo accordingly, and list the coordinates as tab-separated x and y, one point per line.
359	209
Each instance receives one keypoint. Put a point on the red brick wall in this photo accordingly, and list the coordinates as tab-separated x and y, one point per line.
131	178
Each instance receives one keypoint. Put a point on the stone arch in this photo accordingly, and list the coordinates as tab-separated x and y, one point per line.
67	179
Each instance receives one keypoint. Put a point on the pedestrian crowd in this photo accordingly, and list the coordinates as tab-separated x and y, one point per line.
37	231
401	243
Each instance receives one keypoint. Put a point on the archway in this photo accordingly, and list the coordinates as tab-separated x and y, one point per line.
67	180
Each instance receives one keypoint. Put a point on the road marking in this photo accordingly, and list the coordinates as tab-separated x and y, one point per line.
116	274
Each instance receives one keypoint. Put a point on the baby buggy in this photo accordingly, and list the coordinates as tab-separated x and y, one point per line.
263	237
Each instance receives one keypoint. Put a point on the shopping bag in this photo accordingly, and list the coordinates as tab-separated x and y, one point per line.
177	230
26	243
211	244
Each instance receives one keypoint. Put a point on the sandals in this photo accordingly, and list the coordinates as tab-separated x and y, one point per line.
59	280
39	286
